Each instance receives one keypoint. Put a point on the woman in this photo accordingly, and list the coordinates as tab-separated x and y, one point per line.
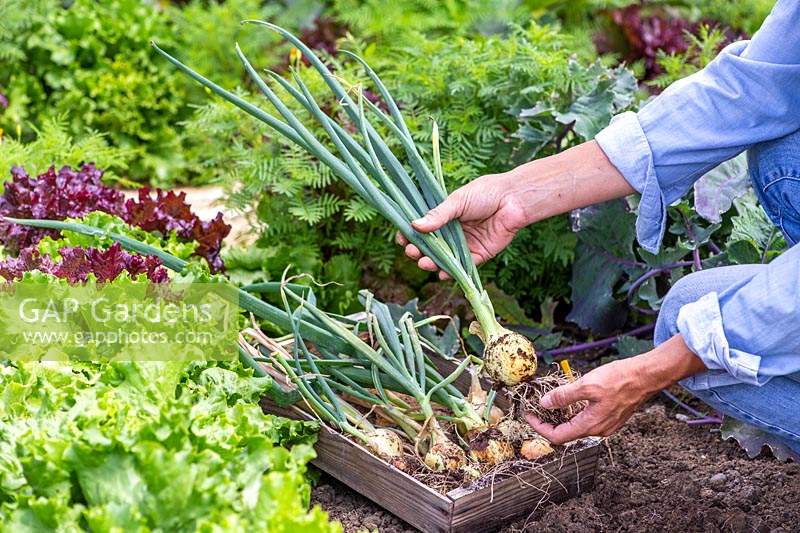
730	335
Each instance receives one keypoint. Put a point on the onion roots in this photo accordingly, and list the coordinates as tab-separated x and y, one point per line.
516	431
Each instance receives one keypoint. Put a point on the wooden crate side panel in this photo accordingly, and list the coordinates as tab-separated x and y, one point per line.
395	491
515	498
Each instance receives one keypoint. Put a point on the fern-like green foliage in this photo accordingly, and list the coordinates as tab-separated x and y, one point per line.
53	145
703	47
536	265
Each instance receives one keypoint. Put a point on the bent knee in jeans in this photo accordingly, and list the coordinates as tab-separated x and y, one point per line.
773	407
775	172
694	286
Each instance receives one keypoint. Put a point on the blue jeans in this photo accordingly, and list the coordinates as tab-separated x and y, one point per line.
775	406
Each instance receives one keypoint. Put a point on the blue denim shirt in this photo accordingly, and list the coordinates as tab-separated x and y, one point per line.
749	94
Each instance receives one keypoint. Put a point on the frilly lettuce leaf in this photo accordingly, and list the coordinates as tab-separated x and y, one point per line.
138	446
169	242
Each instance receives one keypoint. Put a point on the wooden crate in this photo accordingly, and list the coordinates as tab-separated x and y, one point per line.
486	509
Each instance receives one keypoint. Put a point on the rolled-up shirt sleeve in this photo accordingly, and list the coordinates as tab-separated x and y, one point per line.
749	331
750	93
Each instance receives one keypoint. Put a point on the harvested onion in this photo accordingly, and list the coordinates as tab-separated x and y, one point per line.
509	358
445	456
535	448
387	445
491	448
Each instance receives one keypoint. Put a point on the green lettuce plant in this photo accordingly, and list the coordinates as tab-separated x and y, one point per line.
146	446
89	62
89	65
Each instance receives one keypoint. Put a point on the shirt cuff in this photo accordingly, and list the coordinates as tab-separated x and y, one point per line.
625	144
700	323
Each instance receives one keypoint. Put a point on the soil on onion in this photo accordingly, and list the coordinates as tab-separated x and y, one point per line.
525	399
660	475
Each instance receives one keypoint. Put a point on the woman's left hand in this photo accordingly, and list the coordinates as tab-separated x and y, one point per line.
614	391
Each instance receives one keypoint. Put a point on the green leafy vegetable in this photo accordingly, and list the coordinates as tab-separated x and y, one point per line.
110	223
754	238
148	446
605	251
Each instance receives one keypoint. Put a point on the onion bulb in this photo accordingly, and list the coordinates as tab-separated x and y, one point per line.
445	455
509	358
387	445
490	447
535	448
470	472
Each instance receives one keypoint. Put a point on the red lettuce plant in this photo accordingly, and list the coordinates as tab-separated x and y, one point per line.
639	33
52	195
77	263
646	35
167	211
71	193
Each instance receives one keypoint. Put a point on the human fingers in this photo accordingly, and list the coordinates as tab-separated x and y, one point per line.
425	263
413	252
564	396
449	209
578	427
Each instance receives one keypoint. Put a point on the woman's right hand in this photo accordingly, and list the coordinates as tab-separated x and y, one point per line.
493	208
490	213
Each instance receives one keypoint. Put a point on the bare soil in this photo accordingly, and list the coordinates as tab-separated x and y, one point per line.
659	475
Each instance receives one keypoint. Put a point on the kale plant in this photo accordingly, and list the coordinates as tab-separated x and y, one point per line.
615	283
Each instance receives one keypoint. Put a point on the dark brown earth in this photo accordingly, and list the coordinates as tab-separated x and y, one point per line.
660	475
